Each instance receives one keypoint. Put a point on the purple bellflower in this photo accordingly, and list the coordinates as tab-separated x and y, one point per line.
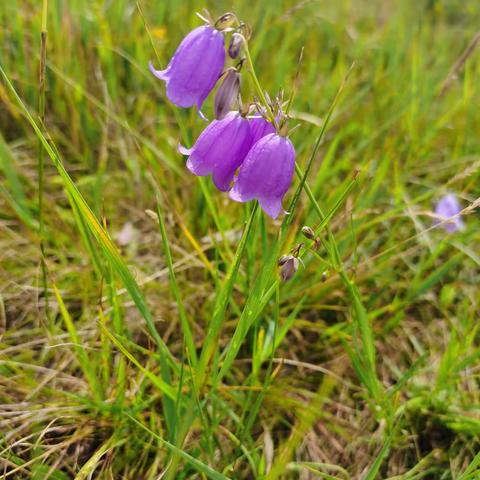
194	68
220	149
446	208
266	173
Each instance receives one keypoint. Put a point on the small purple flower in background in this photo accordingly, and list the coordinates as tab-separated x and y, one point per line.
259	128
195	67
446	208
266	173
220	149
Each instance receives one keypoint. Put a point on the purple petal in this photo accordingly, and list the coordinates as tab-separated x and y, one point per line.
259	128
448	207
220	149
271	205
195	67
183	150
266	173
161	74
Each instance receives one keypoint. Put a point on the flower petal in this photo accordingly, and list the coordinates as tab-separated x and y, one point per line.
195	67
260	128
161	74
271	205
220	149
266	173
183	150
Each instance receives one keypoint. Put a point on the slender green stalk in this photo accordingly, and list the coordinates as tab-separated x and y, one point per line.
190	344
257	85
221	304
41	152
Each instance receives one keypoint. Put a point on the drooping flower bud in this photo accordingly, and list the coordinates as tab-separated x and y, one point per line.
447	208
283	259
235	46
308	232
289	268
195	67
266	173
220	149
227	94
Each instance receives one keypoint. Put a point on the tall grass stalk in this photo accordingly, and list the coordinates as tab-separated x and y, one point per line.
41	151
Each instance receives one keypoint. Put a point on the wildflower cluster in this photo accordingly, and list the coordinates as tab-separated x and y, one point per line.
245	148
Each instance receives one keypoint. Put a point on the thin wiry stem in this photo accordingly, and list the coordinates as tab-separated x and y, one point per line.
41	150
257	85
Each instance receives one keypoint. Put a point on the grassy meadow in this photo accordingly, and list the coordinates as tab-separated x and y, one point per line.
145	332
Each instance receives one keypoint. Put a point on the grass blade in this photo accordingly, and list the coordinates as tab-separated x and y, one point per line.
199	466
175	290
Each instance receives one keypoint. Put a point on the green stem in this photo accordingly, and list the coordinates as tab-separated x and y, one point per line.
257	85
41	150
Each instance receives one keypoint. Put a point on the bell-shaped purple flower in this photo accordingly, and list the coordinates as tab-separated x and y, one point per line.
447	208
194	68
266	173
220	149
259	128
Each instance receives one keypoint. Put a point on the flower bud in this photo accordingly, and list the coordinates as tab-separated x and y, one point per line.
225	21
227	94
236	43
289	268
283	259
308	232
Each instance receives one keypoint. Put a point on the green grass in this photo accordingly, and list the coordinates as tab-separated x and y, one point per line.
144	328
